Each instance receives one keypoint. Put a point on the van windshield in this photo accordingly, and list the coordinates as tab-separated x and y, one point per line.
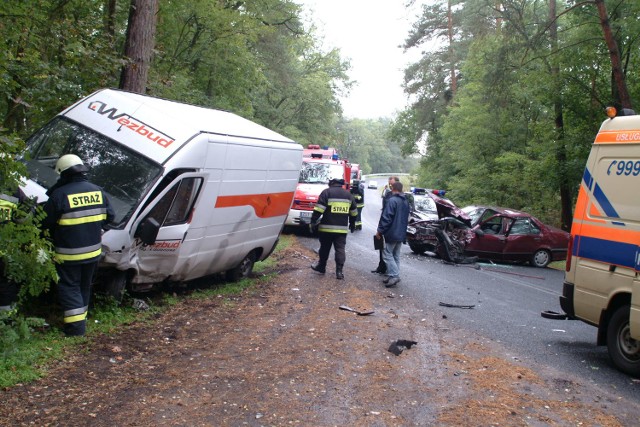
320	173
123	174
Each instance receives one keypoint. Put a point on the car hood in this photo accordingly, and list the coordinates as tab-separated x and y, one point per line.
446	209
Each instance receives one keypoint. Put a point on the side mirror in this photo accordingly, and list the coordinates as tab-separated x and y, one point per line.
478	232
147	231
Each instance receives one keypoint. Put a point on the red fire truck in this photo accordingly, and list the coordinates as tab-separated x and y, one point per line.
319	165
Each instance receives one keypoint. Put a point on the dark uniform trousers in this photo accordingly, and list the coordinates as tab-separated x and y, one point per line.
74	294
339	243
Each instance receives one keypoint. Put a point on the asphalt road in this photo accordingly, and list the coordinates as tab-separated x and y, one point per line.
507	302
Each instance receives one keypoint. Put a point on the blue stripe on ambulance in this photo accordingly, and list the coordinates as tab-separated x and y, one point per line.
607	251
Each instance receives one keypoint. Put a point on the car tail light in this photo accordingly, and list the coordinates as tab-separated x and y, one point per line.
567	266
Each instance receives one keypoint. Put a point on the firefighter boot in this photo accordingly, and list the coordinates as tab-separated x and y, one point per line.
319	267
339	274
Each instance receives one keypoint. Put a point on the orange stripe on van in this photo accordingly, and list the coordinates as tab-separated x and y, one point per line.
581	203
265	205
610	233
617	136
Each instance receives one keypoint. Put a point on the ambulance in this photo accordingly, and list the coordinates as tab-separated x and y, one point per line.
601	284
196	191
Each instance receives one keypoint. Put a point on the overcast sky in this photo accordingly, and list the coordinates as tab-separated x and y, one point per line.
369	33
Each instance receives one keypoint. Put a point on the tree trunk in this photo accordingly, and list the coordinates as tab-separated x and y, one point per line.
566	203
452	61
141	34
619	89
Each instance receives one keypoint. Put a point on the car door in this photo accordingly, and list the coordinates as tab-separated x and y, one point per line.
490	242
172	209
523	238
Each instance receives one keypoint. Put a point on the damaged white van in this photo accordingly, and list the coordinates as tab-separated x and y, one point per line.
196	191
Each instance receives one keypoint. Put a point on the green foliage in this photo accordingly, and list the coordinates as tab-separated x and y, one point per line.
26	256
495	139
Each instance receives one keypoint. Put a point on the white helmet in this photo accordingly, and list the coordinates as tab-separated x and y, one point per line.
70	162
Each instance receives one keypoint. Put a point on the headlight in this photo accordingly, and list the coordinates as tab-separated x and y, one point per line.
411	230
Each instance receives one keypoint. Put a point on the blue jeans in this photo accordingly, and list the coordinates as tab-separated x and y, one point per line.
391	256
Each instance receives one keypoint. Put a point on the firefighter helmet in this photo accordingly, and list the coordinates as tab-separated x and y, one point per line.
71	163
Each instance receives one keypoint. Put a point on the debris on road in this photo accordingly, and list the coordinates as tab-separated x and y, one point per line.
397	347
445	304
359	313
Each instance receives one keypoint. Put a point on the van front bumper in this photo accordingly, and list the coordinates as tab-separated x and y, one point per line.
566	299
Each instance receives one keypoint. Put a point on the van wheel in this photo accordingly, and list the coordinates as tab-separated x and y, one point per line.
115	284
541	258
624	351
243	270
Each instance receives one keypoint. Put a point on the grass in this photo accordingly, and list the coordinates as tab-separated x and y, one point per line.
28	346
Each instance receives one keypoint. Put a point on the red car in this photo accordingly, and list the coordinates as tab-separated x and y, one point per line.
503	234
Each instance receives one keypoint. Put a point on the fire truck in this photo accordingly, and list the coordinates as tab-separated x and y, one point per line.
319	166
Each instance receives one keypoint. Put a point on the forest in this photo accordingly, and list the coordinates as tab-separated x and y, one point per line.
504	101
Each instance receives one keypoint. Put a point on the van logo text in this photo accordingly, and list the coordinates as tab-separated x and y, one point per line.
129	122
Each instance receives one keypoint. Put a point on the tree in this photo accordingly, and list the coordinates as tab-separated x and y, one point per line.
140	40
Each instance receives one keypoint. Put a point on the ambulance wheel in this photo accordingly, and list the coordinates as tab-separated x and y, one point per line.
624	351
541	258
115	284
243	270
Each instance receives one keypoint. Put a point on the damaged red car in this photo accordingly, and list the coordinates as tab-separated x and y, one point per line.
503	234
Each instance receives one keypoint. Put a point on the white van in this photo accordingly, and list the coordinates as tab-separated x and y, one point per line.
601	286
196	191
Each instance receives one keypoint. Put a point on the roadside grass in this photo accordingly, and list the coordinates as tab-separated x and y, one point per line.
28	346
557	265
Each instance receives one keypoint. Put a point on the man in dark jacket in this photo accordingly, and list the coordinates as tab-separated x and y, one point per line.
76	212
393	226
338	210
386	193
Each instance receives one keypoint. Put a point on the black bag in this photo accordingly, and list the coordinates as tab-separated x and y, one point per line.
378	244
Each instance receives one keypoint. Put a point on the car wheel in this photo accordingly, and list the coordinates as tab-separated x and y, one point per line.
417	249
624	351
242	270
541	258
115	284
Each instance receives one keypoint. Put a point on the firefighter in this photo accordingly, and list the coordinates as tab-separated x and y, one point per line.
8	212
76	212
357	189
336	212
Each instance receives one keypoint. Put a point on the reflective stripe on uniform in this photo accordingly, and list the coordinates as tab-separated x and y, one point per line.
327	228
6	207
75	315
78	254
319	208
83	217
83	220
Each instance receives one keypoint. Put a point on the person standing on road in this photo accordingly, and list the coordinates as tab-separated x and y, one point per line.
393	226
338	210
76	212
386	193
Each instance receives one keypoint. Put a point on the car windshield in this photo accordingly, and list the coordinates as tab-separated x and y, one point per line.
123	174
424	204
320	173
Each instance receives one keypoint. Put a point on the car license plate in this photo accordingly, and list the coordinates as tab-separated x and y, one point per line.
305	214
